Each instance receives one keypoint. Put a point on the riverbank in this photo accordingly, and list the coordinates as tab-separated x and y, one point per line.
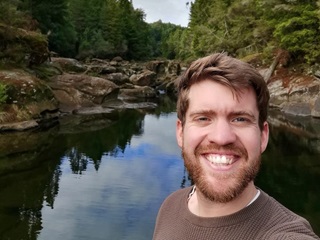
38	97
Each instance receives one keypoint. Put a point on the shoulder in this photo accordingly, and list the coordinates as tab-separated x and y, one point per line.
174	203
293	236
285	224
170	213
176	197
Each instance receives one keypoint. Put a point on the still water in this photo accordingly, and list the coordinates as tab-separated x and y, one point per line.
105	176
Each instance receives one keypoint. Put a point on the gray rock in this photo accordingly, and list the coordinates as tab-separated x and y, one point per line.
19	126
137	93
146	78
74	91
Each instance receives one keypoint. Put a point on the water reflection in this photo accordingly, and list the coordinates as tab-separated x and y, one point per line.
104	177
291	166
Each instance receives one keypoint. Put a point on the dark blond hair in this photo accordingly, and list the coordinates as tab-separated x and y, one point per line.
233	73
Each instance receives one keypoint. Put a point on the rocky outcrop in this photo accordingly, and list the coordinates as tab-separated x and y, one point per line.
30	101
295	94
74	91
69	65
100	85
93	87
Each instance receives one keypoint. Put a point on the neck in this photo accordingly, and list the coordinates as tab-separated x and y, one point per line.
202	207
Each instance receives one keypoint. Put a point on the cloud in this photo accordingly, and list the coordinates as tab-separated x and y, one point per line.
175	12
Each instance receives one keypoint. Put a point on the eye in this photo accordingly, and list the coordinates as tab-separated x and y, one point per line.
240	119
202	119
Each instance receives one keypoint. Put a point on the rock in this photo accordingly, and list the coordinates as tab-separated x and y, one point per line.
146	78
117	59
159	67
137	93
174	68
295	94
69	65
92	110
74	91
117	78
102	69
297	108
19	126
28	97
316	108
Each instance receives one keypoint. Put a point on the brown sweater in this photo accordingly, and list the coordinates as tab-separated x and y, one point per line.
264	219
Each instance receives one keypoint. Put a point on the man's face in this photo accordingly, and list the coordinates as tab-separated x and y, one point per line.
221	140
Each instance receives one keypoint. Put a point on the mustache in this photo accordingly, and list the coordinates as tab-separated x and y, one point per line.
212	147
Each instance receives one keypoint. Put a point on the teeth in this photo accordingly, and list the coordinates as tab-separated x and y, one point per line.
219	159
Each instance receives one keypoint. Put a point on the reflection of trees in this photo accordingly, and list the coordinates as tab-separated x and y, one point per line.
89	146
30	164
30	168
166	105
25	188
52	188
78	161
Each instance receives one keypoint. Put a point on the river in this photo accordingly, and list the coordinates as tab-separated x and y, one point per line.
105	176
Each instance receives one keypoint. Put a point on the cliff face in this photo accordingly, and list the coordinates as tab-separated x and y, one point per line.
294	93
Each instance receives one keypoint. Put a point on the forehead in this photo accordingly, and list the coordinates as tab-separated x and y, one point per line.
208	94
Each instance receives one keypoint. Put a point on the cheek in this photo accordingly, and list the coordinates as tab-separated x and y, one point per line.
193	137
252	143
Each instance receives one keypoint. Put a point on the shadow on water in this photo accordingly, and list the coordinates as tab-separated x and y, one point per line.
291	165
30	163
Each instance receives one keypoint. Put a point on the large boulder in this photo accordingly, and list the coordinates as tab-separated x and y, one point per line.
74	91
164	67
146	78
68	65
137	93
117	78
295	94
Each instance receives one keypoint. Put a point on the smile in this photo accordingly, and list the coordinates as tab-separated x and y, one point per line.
219	159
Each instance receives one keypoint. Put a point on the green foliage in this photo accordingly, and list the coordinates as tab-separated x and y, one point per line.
3	93
299	34
54	21
245	27
164	39
21	46
109	28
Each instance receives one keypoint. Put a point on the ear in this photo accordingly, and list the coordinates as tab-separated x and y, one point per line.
264	137
179	133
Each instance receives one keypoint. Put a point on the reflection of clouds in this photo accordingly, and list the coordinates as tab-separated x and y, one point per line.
160	132
121	200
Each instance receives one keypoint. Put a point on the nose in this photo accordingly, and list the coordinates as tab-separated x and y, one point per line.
221	132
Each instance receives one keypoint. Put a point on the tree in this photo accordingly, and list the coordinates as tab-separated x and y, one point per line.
53	19
298	29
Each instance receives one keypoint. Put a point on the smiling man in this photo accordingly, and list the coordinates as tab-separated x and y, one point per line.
222	130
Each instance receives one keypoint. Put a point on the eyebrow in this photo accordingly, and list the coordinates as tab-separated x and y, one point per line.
212	113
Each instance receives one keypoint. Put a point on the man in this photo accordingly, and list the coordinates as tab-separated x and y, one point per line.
222	130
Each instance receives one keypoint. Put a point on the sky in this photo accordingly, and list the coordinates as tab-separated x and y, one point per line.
173	11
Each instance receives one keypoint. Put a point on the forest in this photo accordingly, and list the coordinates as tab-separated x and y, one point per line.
84	29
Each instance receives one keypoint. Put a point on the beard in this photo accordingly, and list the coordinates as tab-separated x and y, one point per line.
240	179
